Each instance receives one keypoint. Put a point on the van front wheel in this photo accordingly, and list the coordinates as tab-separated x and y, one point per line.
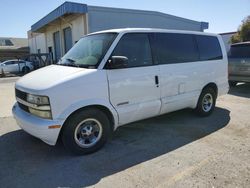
86	131
206	102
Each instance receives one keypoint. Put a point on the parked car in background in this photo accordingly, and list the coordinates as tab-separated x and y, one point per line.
15	66
239	63
112	78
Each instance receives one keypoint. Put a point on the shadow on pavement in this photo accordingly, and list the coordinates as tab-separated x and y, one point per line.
27	162
241	90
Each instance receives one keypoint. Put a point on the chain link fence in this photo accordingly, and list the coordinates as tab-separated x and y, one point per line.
25	64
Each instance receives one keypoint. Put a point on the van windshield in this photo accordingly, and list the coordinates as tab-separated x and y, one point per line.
88	51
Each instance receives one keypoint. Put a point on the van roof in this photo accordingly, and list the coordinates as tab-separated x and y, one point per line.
134	30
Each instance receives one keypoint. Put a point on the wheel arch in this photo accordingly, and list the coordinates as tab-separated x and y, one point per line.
213	86
103	108
26	67
208	85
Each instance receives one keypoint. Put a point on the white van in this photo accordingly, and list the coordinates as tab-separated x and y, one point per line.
115	77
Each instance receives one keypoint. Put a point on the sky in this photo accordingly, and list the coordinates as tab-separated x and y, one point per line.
17	16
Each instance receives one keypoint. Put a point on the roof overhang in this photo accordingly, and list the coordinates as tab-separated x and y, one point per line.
204	25
64	9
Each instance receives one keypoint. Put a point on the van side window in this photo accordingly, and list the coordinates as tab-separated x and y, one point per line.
209	47
136	48
175	48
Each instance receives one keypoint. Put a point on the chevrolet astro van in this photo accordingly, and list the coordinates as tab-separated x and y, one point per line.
115	77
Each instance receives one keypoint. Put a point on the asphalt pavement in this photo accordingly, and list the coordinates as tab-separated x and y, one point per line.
174	150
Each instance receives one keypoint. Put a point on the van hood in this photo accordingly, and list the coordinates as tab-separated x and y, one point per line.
47	77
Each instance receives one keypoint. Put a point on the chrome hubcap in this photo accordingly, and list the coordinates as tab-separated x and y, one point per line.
88	132
207	102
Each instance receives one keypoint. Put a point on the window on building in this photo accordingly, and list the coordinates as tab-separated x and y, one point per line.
57	45
136	48
50	50
67	33
175	48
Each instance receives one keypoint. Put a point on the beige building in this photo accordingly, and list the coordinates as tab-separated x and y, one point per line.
226	39
58	31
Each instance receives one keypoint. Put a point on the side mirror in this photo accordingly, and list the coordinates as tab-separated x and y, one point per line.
118	62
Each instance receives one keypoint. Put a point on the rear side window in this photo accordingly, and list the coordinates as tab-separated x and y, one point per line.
209	47
175	48
136	48
240	51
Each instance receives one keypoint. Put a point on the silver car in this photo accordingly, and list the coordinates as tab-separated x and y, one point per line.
239	63
14	66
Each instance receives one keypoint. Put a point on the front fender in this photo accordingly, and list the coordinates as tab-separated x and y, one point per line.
84	103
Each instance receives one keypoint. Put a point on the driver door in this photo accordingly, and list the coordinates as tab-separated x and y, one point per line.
134	91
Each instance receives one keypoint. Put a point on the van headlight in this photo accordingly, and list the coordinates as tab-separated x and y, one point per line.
38	100
40	106
41	113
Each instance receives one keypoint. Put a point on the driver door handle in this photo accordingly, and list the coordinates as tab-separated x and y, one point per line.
156	81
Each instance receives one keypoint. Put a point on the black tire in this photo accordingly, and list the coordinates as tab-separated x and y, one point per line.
201	109
232	83
25	70
74	121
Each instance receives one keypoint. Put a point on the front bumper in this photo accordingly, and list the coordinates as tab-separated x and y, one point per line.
36	126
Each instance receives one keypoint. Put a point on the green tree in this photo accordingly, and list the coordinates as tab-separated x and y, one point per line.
243	33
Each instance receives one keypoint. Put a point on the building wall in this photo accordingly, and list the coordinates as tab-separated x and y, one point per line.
45	40
37	41
226	39
79	28
99	18
121	18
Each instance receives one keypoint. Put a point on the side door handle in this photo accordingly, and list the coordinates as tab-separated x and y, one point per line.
156	81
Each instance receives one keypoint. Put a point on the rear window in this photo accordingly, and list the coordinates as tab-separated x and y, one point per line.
209	47
240	51
175	48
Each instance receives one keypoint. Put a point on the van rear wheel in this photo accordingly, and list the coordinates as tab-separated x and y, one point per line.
206	102
86	131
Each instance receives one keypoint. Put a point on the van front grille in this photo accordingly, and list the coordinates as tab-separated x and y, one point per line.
22	95
23	107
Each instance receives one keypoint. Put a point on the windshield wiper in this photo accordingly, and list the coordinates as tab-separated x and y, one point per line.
87	66
70	62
